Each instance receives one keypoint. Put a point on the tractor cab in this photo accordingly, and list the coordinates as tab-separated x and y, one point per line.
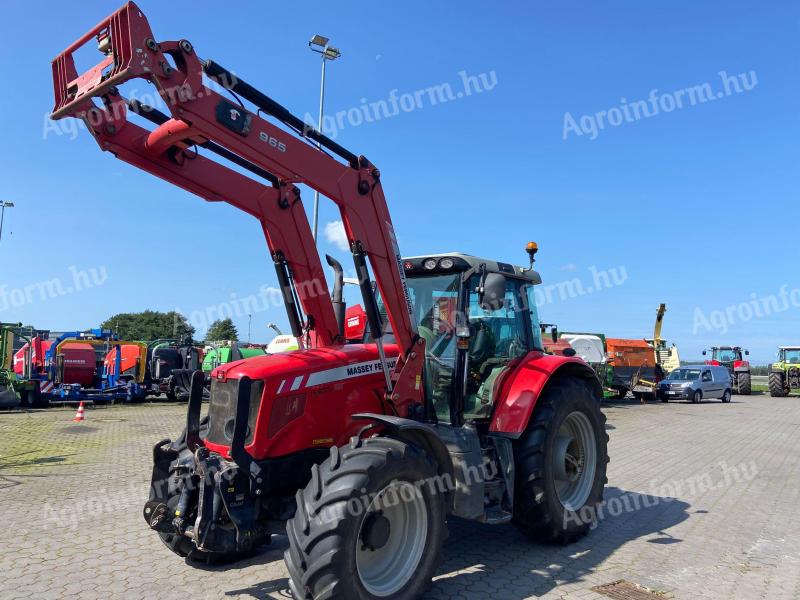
478	318
726	355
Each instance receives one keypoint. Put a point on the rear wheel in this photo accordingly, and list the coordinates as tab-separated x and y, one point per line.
561	464
365	527
777	388
726	397
697	397
745	386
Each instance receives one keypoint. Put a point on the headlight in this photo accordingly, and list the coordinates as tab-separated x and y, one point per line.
429	264
446	263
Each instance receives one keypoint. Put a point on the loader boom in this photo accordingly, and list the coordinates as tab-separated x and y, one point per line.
200	120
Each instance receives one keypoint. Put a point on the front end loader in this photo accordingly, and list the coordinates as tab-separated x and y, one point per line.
358	452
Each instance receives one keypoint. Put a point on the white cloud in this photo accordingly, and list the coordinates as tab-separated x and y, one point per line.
334	233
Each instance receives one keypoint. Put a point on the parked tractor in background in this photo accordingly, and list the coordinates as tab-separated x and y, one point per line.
784	375
357	451
733	359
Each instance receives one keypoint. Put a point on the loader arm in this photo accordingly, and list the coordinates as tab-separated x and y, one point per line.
201	119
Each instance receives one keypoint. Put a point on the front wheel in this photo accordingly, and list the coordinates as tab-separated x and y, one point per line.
368	525
561	464
697	397
776	386
745	386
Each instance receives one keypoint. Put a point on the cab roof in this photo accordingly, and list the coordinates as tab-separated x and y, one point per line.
467	261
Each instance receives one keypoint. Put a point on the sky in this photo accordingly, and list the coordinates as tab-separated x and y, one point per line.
635	196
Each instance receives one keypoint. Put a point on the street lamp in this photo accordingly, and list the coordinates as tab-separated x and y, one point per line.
320	45
249	322
4	204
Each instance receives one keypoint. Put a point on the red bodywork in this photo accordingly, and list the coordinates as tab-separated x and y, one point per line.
40	348
309	396
130	354
519	390
79	363
355	323
742	366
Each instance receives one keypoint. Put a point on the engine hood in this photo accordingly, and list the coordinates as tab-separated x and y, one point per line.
303	369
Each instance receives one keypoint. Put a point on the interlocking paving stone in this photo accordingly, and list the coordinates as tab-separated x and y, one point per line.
701	503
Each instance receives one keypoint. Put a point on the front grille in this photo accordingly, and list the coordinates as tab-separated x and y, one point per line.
222	410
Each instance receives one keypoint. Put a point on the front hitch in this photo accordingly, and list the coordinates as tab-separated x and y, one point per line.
200	495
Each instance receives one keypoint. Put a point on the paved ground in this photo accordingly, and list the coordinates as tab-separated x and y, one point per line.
702	503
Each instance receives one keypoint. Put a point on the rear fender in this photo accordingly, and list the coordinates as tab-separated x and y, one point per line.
521	389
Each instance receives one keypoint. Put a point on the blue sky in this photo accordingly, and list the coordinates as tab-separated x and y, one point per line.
697	206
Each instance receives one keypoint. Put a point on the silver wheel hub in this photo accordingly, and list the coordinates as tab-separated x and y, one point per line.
575	461
391	538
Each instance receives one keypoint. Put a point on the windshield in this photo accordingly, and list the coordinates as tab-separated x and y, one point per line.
792	356
726	355
684	375
435	301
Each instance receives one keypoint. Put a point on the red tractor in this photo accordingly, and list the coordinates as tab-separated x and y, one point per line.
733	358
358	452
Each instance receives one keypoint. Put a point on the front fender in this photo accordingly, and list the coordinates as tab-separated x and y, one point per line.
520	389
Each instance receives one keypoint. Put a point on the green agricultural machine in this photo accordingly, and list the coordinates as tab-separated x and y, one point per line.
219	355
8	394
784	375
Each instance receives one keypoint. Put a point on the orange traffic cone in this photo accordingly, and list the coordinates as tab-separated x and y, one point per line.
79	415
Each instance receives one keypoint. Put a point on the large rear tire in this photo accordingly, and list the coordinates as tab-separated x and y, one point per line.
368	525
777	388
561	464
745	385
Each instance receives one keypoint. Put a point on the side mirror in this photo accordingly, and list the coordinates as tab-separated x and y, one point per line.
747	352
704	352
554	333
493	291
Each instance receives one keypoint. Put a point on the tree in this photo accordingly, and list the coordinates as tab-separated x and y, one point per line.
149	325
222	329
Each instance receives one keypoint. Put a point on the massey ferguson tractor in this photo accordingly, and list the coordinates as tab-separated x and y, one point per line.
733	358
358	452
784	375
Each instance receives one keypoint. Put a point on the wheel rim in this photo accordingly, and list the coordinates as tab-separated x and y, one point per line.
384	570
575	461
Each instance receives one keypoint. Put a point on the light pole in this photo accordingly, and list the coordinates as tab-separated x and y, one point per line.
4	204
321	45
249	321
